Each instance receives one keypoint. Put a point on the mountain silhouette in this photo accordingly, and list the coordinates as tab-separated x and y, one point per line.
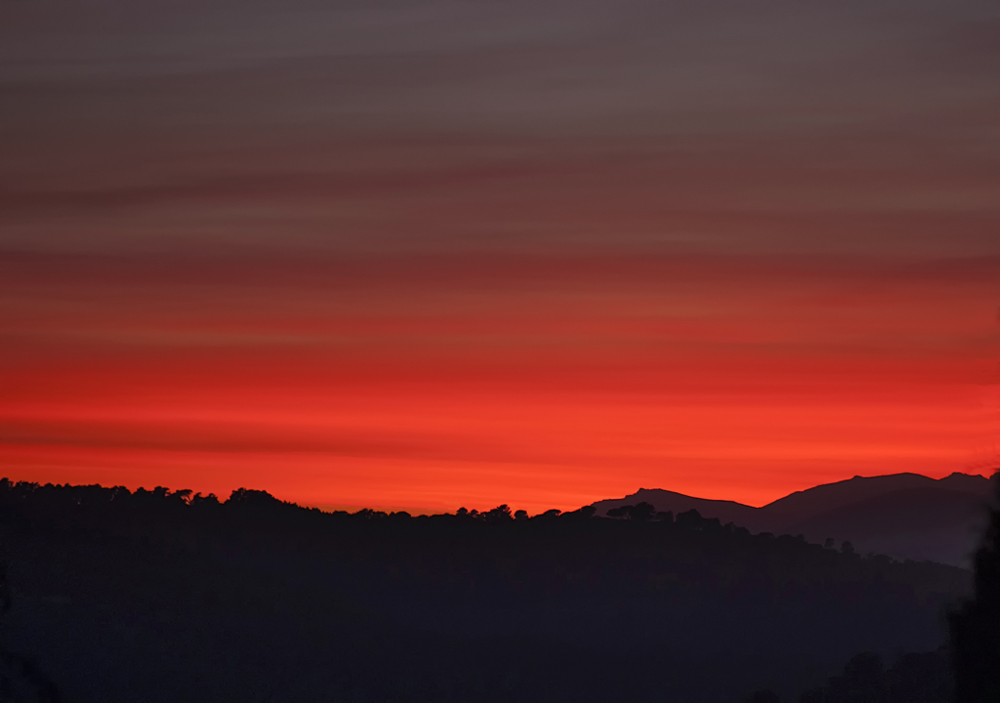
725	510
907	516
164	595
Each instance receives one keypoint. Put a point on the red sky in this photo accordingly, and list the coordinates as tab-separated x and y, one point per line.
446	255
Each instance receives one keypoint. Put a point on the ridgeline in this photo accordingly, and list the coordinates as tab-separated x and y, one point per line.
163	595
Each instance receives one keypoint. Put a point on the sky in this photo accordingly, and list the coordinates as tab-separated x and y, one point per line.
422	255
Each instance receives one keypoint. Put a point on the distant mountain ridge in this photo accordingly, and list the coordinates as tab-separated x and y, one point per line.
907	515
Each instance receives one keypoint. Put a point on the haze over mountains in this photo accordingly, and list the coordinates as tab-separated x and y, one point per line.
906	515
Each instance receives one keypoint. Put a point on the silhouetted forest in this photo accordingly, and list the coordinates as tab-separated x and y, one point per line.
914	678
164	595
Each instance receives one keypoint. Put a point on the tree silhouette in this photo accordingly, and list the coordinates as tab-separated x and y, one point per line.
620	512
642	512
501	513
690	520
975	627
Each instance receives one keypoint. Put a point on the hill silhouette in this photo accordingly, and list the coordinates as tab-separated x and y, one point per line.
160	595
906	516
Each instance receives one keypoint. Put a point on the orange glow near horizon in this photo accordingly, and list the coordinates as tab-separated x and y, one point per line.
477	253
531	395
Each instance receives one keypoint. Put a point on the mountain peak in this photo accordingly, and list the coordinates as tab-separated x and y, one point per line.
970	483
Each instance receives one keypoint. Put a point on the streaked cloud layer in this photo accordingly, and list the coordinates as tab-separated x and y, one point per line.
425	254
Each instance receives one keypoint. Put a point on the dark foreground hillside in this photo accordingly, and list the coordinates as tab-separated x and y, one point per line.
159	596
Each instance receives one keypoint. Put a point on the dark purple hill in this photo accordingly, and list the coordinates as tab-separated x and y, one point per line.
725	510
907	516
802	505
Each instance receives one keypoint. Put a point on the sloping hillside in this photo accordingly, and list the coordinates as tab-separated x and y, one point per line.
161	596
903	515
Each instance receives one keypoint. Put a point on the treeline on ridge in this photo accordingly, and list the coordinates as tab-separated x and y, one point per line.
172	520
491	605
